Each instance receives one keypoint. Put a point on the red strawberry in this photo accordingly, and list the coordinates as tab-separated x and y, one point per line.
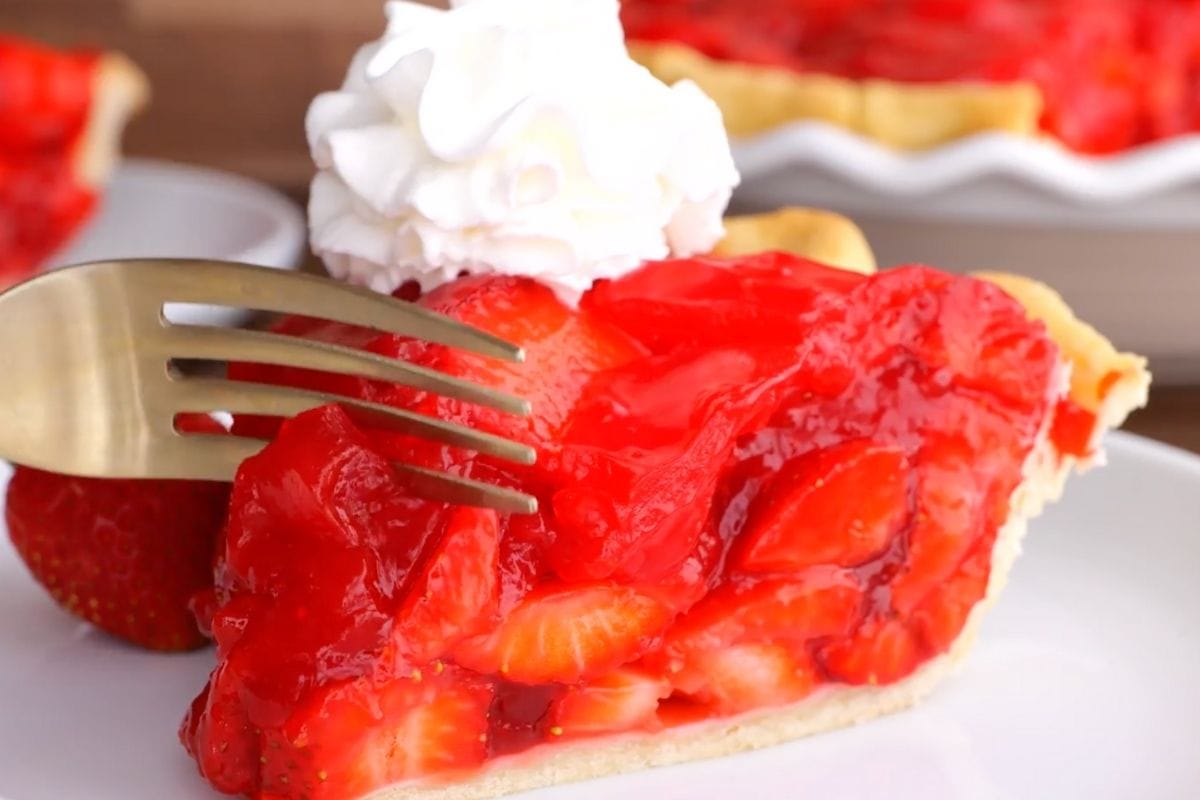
126	555
823	601
562	350
704	303
218	734
742	677
941	616
641	460
458	594
948	518
839	505
624	700
354	737
566	634
881	651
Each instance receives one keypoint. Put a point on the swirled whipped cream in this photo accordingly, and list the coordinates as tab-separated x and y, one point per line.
511	136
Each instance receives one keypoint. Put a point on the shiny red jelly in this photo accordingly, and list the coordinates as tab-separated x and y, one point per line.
45	97
1113	73
756	477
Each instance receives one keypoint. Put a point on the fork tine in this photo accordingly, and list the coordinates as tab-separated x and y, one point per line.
209	394
216	457
466	492
264	289
207	456
261	347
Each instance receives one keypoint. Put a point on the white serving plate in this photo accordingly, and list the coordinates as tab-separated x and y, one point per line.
1119	236
156	209
1083	684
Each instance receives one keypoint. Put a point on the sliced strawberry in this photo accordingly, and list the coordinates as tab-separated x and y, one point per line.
823	601
645	450
358	736
322	545
562	350
567	634
703	303
940	617
742	677
838	505
458	594
980	339
219	735
879	652
623	700
949	518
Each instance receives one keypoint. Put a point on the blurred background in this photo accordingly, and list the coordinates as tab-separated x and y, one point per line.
232	80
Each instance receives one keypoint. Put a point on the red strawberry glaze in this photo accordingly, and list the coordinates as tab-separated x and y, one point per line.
757	477
45	96
1113	73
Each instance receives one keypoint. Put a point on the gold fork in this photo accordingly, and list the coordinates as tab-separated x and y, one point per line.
90	387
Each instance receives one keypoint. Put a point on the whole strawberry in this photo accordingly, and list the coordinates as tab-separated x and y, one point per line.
125	555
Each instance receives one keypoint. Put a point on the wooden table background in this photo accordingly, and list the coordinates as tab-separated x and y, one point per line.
232	80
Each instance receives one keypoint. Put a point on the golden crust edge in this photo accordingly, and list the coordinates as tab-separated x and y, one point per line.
816	234
1104	380
1045	474
907	116
119	90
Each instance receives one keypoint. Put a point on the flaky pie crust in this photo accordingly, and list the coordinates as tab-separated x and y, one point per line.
119	90
907	116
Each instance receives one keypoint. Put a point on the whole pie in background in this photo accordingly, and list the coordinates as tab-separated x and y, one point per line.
1100	76
61	118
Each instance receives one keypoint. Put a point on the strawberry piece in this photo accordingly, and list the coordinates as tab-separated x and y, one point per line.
940	617
948	521
645	450
458	594
879	652
624	700
838	505
822	601
743	677
567	634
562	350
217	733
358	736
125	555
322	545
701	303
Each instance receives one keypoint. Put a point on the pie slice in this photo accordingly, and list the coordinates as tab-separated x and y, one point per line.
61	119
1100	76
775	498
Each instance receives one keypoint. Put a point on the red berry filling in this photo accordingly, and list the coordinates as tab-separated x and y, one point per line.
756	477
45	96
1113	73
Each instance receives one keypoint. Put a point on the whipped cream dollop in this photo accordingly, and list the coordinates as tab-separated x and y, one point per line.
511	136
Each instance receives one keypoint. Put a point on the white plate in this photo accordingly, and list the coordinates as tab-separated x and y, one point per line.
1117	236
159	209
1083	684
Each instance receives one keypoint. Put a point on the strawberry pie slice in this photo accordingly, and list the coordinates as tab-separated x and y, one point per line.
61	119
775	498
